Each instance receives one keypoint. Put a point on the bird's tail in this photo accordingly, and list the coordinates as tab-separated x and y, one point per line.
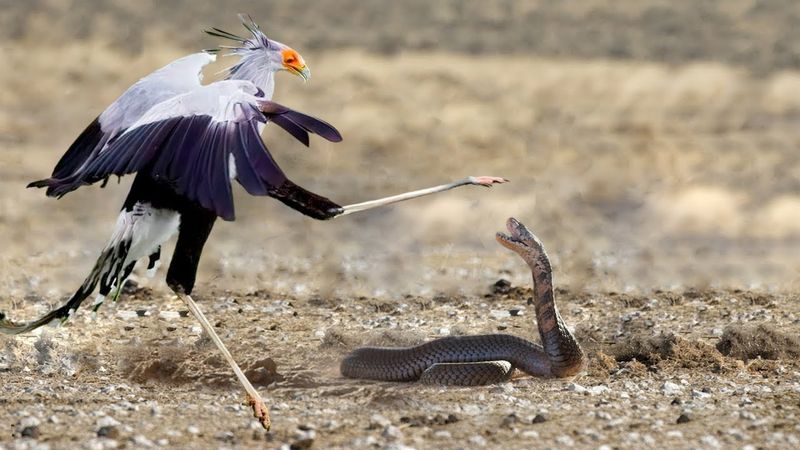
108	272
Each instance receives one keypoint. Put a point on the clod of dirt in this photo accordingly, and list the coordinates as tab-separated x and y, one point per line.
30	432
669	351
600	365
501	286
336	339
539	418
263	372
763	341
429	420
108	431
180	364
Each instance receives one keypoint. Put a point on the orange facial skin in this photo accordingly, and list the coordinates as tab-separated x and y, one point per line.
292	61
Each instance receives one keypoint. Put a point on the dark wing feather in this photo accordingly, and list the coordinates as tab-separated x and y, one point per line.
80	150
193	154
310	124
90	141
290	127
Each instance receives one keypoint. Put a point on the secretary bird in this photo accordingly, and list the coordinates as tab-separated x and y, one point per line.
187	142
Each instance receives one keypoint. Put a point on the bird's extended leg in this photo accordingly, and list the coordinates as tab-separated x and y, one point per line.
485	181
196	225
253	397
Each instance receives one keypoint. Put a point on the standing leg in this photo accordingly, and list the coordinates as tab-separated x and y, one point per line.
196	224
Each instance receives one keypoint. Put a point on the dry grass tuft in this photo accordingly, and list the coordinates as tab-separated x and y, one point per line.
763	341
670	351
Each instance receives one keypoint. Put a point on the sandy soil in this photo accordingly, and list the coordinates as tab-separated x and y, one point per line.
655	376
663	180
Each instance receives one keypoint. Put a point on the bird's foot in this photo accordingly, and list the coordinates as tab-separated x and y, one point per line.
486	181
260	411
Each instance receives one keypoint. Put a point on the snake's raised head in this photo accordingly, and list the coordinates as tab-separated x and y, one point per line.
519	239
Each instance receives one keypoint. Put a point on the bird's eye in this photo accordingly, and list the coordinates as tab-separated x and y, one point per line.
289	60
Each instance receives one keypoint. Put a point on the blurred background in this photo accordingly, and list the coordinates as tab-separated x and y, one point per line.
650	144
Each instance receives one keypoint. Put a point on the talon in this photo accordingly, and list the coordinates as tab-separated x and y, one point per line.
487	180
260	411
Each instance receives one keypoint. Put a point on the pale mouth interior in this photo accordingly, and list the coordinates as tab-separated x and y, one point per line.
515	236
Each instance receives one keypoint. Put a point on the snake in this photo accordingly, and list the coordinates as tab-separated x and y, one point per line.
475	360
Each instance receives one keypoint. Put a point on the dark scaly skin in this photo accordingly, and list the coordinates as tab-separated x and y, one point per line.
473	360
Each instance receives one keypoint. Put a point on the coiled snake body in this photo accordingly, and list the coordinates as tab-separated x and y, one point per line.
489	358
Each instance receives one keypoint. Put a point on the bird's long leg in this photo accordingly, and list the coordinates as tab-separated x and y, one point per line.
196	225
363	206
254	398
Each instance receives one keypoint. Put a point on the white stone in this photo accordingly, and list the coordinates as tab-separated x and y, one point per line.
29	421
597	390
670	388
700	394
575	387
378	421
442	434
565	441
392	433
141	441
106	421
499	313
478	440
710	441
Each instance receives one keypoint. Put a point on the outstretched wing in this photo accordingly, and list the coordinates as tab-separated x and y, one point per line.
178	77
201	140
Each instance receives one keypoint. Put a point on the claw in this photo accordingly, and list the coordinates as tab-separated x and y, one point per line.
487	181
260	411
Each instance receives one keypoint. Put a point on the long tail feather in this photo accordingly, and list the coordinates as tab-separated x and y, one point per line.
108	271
62	313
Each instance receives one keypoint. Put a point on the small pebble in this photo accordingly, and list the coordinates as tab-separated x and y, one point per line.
539	418
141	441
392	433
510	420
575	387
106	421
670	388
710	441
747	415
30	432
29	421
501	286
684	418
597	390
377	421
442	434
478	440
108	431
499	313
302	444
565	441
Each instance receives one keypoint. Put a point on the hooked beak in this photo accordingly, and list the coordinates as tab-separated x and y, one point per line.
301	71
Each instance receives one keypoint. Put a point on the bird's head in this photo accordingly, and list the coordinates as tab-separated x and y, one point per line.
259	54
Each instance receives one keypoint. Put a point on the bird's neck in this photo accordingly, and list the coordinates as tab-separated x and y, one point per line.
263	79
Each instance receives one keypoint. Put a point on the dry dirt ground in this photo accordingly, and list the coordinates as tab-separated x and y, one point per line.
142	375
658	160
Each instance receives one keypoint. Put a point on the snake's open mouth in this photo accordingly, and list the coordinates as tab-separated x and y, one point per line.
519	236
